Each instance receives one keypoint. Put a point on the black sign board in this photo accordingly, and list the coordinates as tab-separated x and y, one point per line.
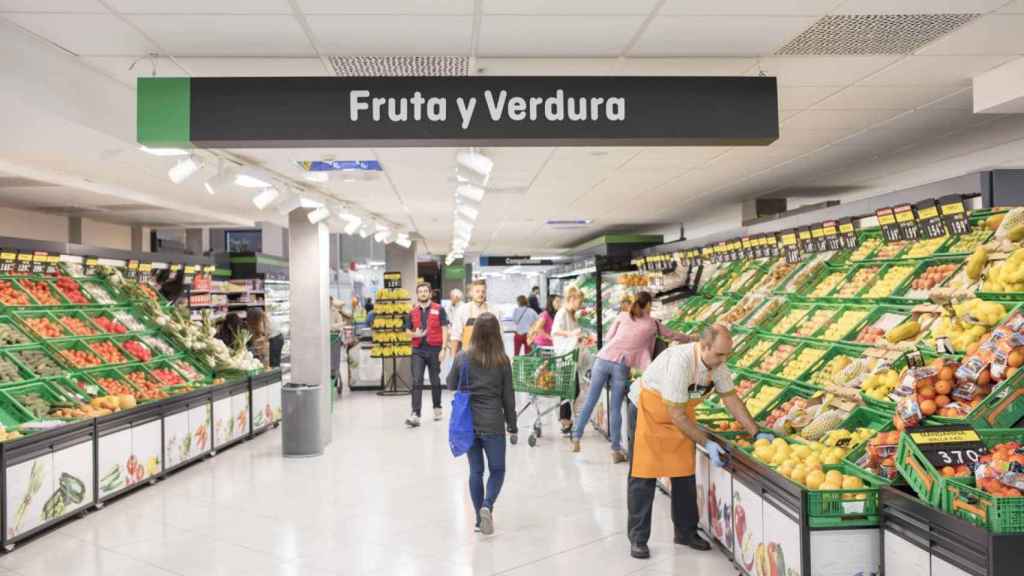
132	271
806	240
953	445
460	111
954	213
929	222
906	220
8	261
514	261
392	280
89	264
891	232
789	245
847	235
831	230
40	262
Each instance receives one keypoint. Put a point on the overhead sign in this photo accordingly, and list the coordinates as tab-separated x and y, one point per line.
458	111
514	261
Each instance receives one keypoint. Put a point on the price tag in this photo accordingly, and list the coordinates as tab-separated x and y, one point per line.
773	245
748	248
929	223
831	231
790	247
132	272
818	234
8	261
145	271
953	445
89	264
806	240
906	221
40	261
392	280
24	265
847	235
891	231
53	264
954	213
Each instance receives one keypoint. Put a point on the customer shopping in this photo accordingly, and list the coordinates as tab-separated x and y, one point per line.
466	314
486	372
565	337
540	333
629	346
259	335
663	433
523	317
427	324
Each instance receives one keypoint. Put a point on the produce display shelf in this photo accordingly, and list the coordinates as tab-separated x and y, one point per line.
800	349
902	294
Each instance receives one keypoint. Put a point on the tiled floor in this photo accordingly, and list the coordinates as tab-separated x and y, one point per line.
383	500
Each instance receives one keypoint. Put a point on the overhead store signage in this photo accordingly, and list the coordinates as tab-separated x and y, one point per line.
907	221
954	213
340	166
458	111
514	261
891	232
929	222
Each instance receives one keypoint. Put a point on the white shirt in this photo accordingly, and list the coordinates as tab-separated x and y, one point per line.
463	313
564	322
671	376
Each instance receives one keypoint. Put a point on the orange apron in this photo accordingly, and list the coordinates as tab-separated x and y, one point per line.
660	449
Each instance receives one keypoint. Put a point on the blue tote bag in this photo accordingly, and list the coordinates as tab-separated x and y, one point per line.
460	426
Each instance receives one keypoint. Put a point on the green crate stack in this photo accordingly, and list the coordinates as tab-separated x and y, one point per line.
789	312
834	351
759	366
891	269
902	294
845	311
801	347
847	508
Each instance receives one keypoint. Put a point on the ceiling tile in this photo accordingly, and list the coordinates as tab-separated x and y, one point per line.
437	7
718	36
581	7
885	97
546	66
838	120
803	97
86	34
393	35
918	6
69	6
821	71
201	6
1014	7
994	34
254	66
685	66
677	159
746	7
120	67
916	70
564	36
962	100
225	35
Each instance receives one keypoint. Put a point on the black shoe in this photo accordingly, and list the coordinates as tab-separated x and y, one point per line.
695	542
640	551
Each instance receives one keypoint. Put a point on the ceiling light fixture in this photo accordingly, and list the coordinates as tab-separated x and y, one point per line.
403	240
352	226
383	236
474	193
467	211
184	168
319	215
164	151
253	178
319	177
225	177
265	198
476	163
364	232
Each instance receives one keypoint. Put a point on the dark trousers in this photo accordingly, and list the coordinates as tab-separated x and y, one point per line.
276	345
640	499
565	410
430	360
493	446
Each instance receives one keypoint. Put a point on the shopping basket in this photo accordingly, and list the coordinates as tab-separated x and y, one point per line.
544	374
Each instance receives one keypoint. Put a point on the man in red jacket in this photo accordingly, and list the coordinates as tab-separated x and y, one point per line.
427	324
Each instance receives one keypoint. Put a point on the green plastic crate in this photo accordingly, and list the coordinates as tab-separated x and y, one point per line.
23	316
791	391
836	350
24	373
16	330
829	310
858	296
59	347
28	356
94	376
13	284
807	291
889	268
12	414
764	312
1003	408
45	390
751	343
875	315
801	347
82	317
58	297
866	308
998	514
799	310
798	279
845	508
203	375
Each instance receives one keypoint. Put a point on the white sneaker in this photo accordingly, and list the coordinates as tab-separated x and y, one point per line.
412	421
437	414
486	521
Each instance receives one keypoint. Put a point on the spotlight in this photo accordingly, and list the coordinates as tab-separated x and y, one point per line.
253	178
474	193
220	181
265	198
364	232
183	169
475	162
352	226
463	226
164	151
467	211
319	215
383	236
403	240
319	176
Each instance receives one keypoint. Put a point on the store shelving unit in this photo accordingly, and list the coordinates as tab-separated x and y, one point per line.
265	284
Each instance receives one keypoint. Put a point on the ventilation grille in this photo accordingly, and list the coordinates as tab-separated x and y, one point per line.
873	34
400	65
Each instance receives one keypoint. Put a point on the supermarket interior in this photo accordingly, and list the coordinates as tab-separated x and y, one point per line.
301	287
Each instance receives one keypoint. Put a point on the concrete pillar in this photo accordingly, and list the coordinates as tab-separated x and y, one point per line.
309	272
136	238
398	259
74	229
194	241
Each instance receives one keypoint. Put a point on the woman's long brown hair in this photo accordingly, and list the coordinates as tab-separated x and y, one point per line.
642	300
486	348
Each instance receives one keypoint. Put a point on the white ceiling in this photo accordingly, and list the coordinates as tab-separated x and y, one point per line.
861	123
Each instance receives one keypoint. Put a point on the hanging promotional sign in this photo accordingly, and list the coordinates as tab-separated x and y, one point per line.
458	111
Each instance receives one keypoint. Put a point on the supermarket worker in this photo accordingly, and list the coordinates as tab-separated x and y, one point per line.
664	432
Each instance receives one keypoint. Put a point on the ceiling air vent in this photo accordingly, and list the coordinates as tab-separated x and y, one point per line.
873	34
400	65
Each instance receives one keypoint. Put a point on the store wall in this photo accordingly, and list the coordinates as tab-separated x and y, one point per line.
725	217
33	225
274	241
106	235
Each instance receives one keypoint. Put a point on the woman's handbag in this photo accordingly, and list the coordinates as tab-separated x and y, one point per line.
460	426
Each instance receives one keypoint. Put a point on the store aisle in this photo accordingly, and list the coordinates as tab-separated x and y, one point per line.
383	501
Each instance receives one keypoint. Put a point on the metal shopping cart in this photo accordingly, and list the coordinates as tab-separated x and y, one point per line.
543	374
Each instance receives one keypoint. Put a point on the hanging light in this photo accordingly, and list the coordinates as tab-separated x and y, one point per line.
319	215
184	168
318	176
164	151
352	226
403	240
364	232
250	177
467	211
265	198
225	177
474	193
476	163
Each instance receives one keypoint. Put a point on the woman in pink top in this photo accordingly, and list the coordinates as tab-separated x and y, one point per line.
543	338
630	345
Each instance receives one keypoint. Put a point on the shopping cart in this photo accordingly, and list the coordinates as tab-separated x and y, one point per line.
543	374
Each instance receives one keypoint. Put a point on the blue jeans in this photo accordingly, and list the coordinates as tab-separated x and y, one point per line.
493	445
603	372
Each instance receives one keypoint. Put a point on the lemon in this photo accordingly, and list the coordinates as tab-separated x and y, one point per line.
798	475
762	442
801	451
834	476
852	483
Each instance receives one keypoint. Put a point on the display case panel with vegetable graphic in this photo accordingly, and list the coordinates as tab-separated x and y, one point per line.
146	449
701	466
176	435
748	526
29	485
199	421
73	474
240	415
115	450
262	413
275	400
222	420
779	555
847	553
720	505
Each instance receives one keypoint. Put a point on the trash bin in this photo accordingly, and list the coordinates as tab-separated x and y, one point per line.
300	422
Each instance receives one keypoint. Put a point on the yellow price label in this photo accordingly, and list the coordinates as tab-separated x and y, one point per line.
886	219
818	232
788	239
8	256
905	216
927	213
846	228
944	436
805	235
951	209
24	257
829	230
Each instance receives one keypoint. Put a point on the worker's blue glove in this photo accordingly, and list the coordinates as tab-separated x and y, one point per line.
716	453
764	436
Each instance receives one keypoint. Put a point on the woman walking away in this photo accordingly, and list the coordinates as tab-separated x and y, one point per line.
565	335
523	317
630	344
493	406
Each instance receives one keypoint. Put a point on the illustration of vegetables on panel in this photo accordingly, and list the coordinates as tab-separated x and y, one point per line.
744	540
185	450
35	483
201	438
771	561
70	491
113	480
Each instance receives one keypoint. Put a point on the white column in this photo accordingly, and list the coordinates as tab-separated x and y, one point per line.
398	259
309	271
